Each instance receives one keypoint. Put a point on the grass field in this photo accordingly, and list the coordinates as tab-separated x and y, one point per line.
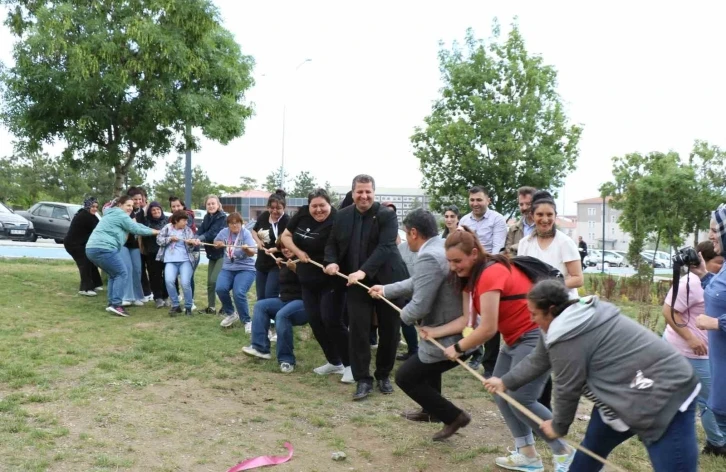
82	390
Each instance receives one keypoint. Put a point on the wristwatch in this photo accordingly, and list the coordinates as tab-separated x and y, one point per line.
457	348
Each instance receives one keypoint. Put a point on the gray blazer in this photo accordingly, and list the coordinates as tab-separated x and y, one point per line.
434	298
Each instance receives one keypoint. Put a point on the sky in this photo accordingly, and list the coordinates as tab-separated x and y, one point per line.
638	76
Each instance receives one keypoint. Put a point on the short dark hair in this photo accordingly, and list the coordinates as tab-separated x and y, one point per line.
543	197
478	189
423	221
318	193
551	293
522	191
234	217
121	200
173	199
363	179
707	250
279	197
177	216
133	191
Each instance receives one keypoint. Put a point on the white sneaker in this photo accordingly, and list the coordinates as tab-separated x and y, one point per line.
98	289
562	462
286	367
87	293
149	298
138	303
329	368
167	302
229	320
348	376
248	327
272	336
251	351
518	461
374	346
194	307
125	303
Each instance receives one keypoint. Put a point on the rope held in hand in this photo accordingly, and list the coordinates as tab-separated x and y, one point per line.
523	409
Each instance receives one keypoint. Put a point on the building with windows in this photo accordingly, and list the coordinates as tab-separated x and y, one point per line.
405	199
251	203
590	225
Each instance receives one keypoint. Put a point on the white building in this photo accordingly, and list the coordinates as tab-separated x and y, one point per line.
590	225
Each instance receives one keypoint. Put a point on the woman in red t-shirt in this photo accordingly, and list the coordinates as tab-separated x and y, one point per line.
494	299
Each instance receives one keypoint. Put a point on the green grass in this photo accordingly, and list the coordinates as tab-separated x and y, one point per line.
83	390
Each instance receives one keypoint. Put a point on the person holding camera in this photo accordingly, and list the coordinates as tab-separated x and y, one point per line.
681	332
714	320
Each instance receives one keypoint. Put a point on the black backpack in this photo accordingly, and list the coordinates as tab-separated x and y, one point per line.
535	270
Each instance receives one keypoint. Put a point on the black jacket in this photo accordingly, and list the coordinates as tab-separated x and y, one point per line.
382	263
289	285
151	246
80	230
210	228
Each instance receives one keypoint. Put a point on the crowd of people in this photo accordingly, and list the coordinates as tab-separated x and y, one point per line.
346	272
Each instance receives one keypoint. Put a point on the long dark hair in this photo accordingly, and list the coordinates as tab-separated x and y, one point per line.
466	241
455	210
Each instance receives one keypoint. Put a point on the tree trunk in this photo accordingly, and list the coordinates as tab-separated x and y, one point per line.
121	170
655	253
695	236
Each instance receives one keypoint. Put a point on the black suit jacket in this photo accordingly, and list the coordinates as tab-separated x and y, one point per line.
382	262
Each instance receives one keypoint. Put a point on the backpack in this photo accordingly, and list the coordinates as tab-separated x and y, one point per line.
534	269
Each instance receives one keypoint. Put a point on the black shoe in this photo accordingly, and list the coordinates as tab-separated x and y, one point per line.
714	450
363	390
188	311
404	356
447	431
475	363
488	375
420	415
384	385
210	310
175	311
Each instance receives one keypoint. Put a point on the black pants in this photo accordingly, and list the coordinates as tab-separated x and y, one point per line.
324	306
360	312
491	352
422	382
90	277
546	397
145	285
156	277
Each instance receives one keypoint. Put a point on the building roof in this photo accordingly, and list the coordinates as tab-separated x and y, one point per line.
250	194
594	200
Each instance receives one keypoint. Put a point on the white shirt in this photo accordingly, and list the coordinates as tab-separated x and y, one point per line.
490	229
560	251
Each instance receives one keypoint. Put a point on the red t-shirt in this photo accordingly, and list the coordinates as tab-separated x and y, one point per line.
514	316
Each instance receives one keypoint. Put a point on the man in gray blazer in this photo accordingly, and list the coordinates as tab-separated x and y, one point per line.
435	301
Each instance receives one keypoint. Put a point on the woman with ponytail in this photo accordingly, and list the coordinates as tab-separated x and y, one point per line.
269	227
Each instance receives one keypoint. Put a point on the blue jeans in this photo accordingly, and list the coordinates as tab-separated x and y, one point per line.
714	434
112	263
132	260
286	315
267	283
240	282
675	451
186	271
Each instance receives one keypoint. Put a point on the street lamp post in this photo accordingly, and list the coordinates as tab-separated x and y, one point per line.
284	109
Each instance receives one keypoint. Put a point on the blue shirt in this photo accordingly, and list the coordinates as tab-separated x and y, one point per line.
176	252
235	259
491	229
714	297
527	228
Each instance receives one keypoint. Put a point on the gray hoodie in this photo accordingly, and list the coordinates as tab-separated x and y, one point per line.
629	372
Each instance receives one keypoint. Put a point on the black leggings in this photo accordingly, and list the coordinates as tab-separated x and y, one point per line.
324	306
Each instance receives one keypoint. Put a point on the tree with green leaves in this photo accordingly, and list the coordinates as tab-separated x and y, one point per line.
120	82
709	163
173	184
304	184
499	123
335	198
273	181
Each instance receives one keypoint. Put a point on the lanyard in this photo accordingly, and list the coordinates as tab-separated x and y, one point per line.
230	244
274	228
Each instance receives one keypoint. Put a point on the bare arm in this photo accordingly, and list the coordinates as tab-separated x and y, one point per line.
489	325
576	279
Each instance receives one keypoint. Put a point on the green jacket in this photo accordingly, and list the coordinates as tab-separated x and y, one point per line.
113	229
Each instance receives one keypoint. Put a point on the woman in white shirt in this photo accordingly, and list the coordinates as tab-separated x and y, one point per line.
550	245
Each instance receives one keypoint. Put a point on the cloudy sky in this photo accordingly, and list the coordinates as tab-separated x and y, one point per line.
638	76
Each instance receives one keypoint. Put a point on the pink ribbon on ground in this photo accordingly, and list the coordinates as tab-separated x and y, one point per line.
263	461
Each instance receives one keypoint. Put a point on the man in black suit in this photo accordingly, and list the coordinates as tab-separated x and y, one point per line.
362	243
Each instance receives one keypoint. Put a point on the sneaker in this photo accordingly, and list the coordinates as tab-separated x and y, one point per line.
98	289
194	307
517	461
229	320
148	298
562	462
187	311
125	303
329	368
251	351
138	303
167	302
210	310
160	303
248	327
175	311
117	310
347	376
87	293
374	346
286	367
272	336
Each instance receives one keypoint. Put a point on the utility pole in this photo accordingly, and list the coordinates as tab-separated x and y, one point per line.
188	170
603	235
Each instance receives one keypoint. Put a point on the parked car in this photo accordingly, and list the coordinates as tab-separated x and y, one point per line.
199	217
14	226
611	257
51	219
661	257
648	259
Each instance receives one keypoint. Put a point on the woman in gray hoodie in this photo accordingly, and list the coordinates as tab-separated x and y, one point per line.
639	384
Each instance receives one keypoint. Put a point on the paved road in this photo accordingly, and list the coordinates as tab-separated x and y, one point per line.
42	249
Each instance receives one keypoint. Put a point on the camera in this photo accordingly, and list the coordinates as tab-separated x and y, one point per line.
686	257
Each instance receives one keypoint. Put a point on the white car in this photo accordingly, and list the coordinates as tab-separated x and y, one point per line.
612	258
662	259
